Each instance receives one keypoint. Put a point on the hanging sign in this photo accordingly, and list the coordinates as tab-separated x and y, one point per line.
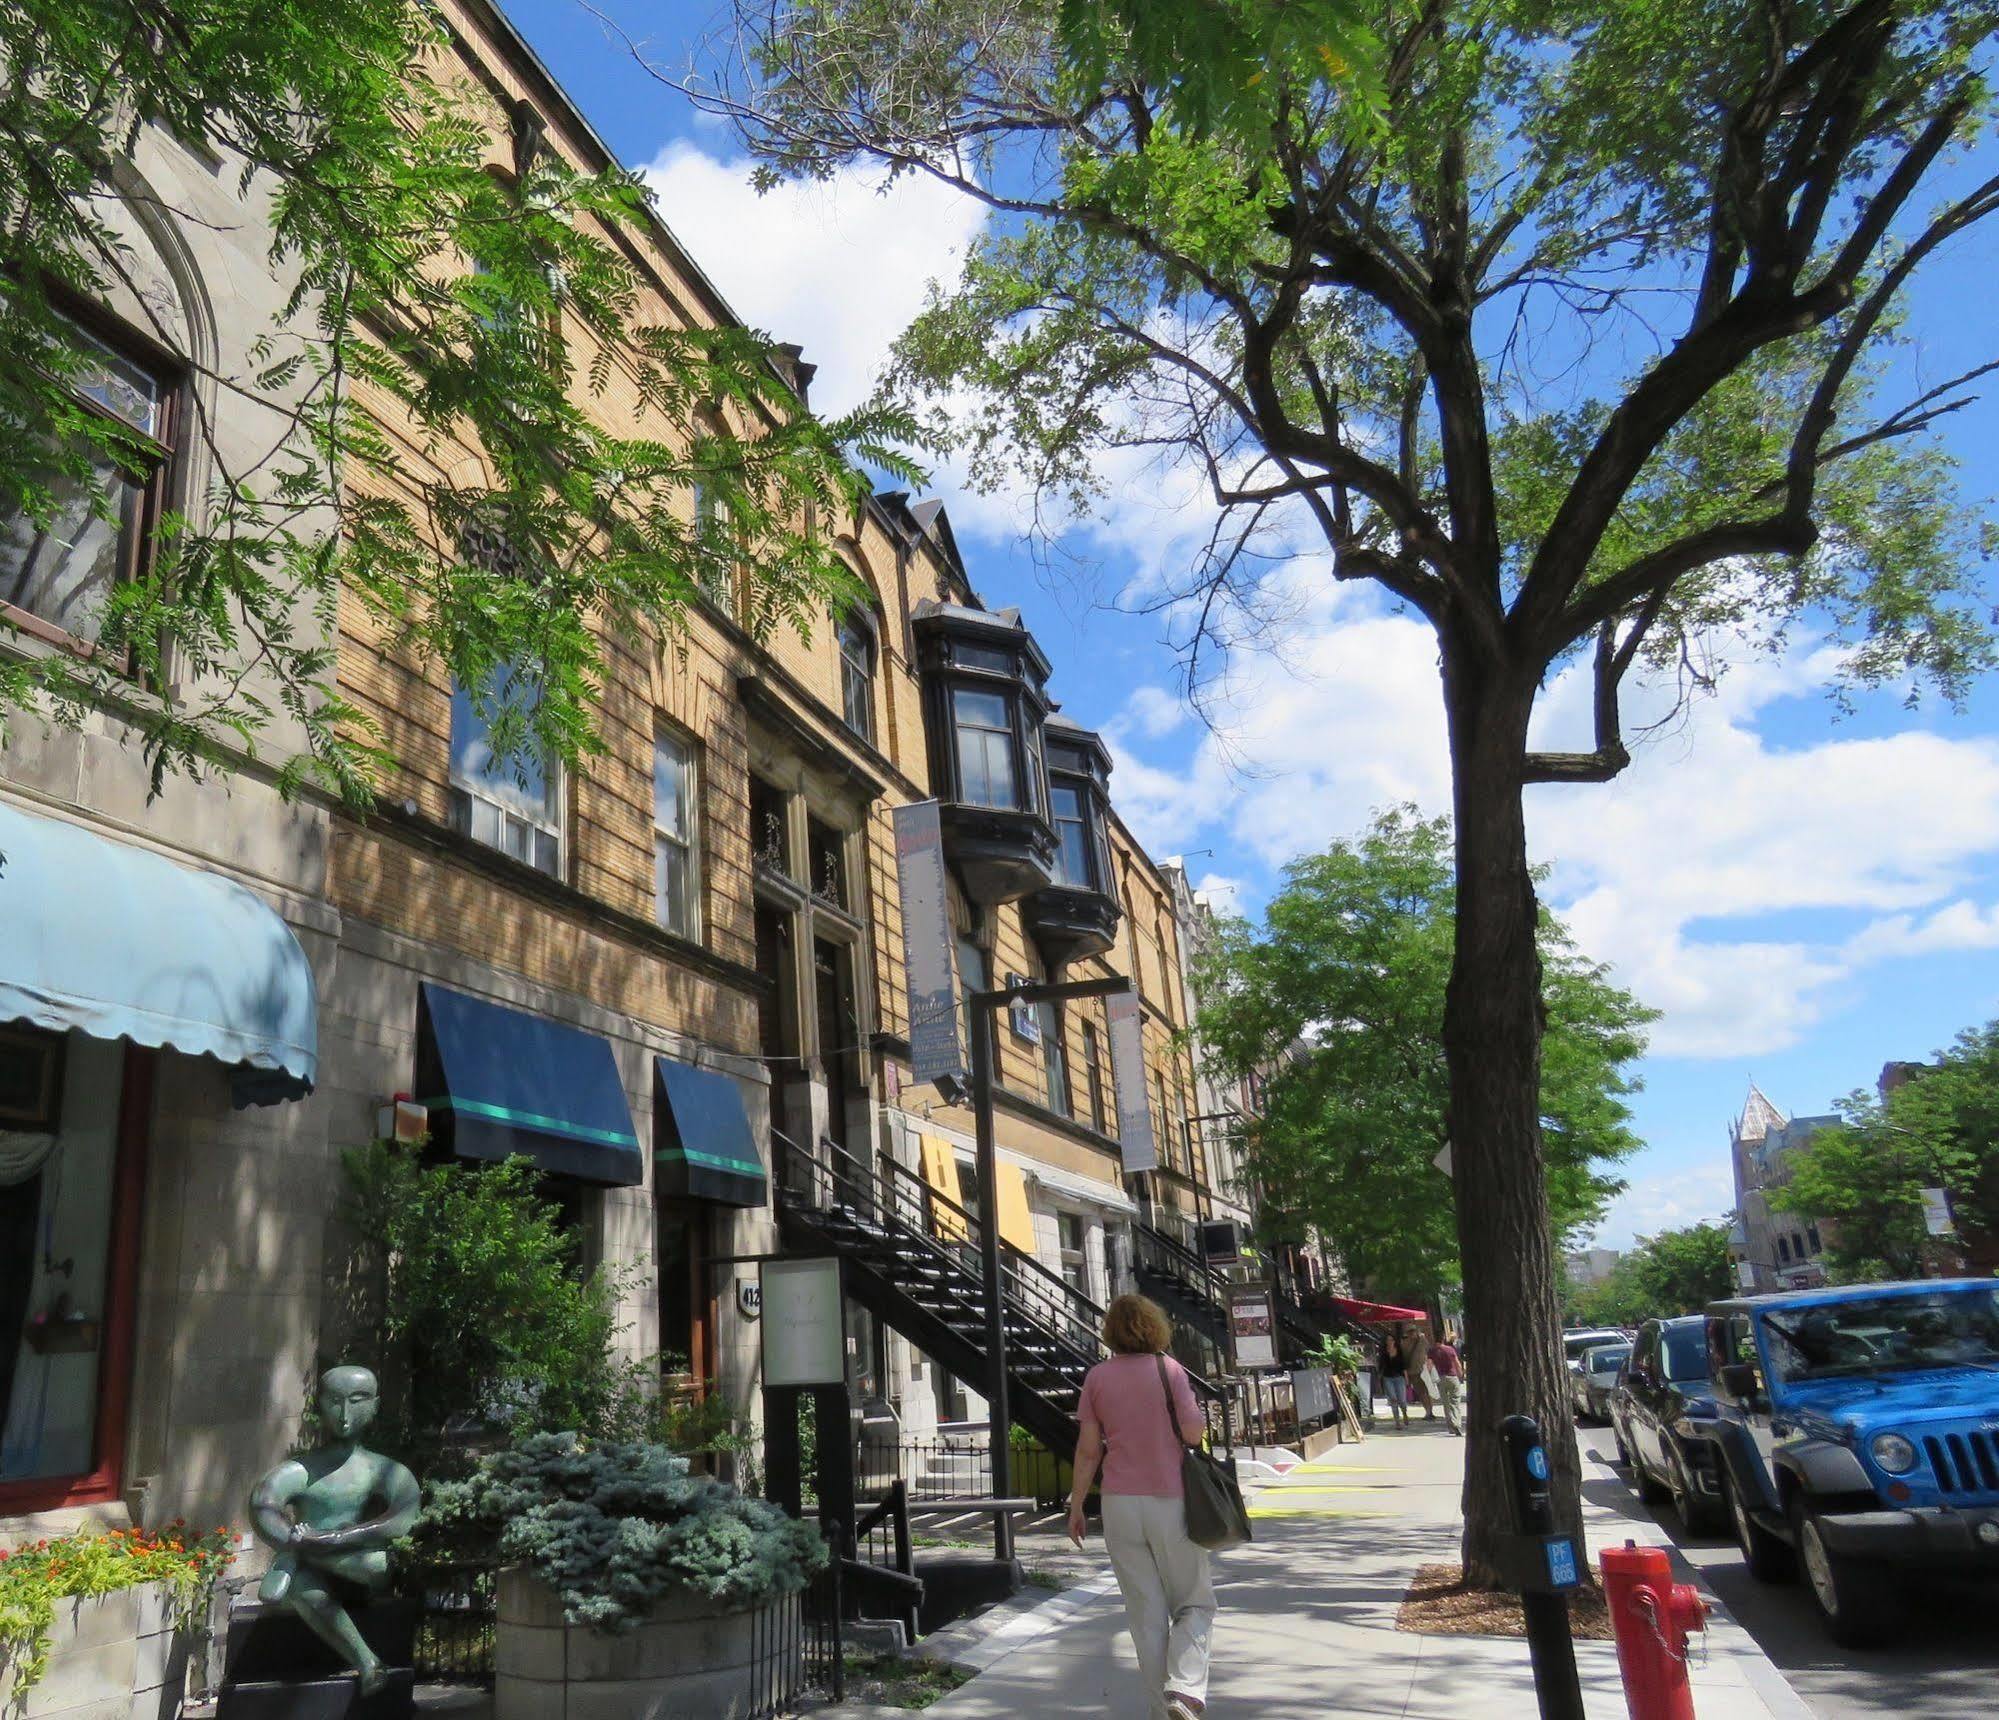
934	1045
805	1337
1936	1212
1134	1117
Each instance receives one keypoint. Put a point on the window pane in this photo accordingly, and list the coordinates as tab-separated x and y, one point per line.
63	573
522	785
982	711
120	385
670	885
982	657
985	761
1055	1056
669	786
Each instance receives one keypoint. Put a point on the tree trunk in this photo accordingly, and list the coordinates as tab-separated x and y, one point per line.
1492	1045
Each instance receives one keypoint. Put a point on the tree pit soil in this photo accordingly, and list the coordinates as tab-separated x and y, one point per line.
1439	1604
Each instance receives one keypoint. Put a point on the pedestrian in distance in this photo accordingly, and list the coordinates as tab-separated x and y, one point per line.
1395	1378
1416	1360
1137	1415
1450	1368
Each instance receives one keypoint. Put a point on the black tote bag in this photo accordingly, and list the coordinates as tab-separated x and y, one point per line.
1216	1518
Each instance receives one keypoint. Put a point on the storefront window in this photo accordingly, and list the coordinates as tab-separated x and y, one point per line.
59	1139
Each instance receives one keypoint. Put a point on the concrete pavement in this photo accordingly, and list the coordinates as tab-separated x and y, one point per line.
1307	1623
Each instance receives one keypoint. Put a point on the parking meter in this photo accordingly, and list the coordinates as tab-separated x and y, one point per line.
1554	1567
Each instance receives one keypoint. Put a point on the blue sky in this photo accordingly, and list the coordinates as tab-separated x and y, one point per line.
1804	895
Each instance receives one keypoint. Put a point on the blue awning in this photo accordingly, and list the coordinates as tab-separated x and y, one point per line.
703	1148
501	1082
117	942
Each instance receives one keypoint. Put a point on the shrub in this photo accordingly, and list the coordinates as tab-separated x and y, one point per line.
34	1577
615	1526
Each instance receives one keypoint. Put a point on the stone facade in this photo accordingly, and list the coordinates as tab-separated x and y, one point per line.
1773	1249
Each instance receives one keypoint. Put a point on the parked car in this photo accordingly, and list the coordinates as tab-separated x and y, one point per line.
1664	1383
1578	1340
1857	1434
1594	1381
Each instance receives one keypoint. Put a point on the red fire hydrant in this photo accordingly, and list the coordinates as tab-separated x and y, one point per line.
1651	1616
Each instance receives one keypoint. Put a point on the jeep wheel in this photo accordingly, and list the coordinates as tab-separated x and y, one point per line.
1766	1555
1855	1599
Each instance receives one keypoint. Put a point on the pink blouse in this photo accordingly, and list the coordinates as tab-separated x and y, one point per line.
1141	1448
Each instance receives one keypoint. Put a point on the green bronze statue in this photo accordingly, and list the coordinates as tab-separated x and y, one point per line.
330	1516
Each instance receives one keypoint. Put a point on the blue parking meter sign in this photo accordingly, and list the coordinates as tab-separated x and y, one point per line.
1563	1572
1537	1463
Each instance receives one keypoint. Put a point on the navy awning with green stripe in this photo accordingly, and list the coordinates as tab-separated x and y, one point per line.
500	1081
703	1146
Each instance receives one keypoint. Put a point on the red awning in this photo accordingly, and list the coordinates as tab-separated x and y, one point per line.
1376	1313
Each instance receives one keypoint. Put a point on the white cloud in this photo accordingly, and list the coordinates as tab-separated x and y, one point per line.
839	267
1671	873
1700	1194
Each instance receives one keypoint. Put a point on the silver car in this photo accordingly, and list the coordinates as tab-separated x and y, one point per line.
1595	1379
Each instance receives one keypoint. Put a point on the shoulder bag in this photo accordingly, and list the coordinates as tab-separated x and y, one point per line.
1215	1515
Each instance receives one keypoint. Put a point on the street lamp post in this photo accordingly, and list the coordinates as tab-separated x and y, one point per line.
985	1006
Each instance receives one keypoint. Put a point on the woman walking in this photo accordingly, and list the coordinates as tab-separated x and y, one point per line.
1395	1378
1138	1414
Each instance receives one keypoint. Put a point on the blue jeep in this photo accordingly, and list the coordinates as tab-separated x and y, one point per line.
1857	1434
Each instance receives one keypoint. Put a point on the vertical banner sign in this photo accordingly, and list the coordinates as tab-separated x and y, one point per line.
934	1046
1251	1327
1134	1117
1936	1212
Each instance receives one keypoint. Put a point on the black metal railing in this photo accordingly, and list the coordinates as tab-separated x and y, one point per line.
456	1621
937	1469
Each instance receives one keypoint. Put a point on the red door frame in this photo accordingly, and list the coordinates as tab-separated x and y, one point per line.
121	1284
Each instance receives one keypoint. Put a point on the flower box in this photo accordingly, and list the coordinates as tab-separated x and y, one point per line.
110	1656
689	1659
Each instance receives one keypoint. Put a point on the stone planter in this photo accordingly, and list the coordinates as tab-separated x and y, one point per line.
111	1657
691	1660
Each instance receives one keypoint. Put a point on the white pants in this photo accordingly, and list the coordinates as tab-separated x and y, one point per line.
1168	1599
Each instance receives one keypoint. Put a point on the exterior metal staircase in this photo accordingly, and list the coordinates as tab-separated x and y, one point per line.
912	1260
1196	1295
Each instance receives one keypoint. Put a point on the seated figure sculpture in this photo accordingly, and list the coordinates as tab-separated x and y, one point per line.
331	1515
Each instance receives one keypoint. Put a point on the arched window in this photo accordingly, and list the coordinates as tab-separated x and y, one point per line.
857	675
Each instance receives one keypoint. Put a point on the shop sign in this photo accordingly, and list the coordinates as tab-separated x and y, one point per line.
1252	1329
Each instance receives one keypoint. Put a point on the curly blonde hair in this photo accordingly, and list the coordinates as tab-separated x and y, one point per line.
1137	1326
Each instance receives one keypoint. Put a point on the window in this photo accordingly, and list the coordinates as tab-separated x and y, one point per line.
61	573
770	826
717	544
676	873
1072	837
857	676
828	849
1093	1074
1784	1248
514	805
985	747
1812	1237
1168	1151
68	1247
1073	1236
1054	1056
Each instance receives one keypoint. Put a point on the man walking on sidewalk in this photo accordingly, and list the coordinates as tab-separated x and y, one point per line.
1450	1382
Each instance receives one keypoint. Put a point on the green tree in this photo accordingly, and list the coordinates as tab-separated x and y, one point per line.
465	1296
1576	346
1866	1173
1672	1272
433	303
1339	998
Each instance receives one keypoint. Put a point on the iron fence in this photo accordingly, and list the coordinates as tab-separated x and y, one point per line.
959	1466
455	1622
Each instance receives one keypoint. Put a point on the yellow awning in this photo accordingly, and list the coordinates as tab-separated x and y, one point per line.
940	1172
1016	1222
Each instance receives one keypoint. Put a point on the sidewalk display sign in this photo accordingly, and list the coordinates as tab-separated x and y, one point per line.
1251	1328
934	1044
1312	1393
1136	1145
1936	1212
804	1331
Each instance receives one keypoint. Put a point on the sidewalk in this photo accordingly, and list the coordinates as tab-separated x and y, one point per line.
1307	1626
